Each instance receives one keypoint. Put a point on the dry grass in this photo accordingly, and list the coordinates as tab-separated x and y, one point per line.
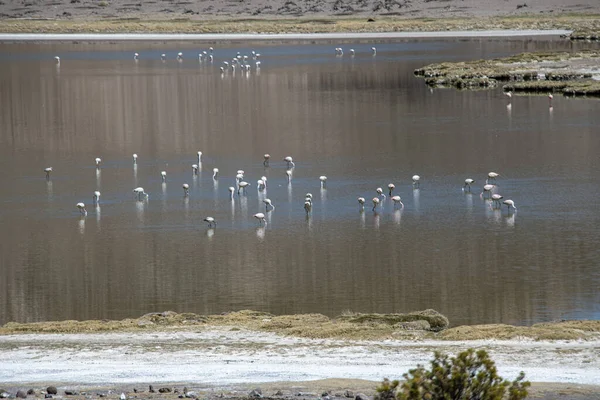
563	72
583	23
415	325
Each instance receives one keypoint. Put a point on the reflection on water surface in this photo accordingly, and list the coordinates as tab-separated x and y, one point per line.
362	121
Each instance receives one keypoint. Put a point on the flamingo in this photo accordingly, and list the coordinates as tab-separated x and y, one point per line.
509	95
239	178
309	196
186	189
261	218
215	173
375	202
231	192
139	192
268	204
199	155
266	160
308	207
352	52
222	70
397	200
289	161
361	202
211	222
82	209
163	57
468	183
195	169
57	59
496	199
492	176
163	175
509	204
96	198
242	186
323	180
380	193
180	56
136	56
391	188
374	51
288	173
416	181
260	184
257	63
487	190
98	161
134	158
240	172
264	179
47	171
550	97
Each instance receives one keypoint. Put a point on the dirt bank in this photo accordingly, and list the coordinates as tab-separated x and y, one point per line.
575	74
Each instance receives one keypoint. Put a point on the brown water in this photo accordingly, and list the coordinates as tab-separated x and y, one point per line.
363	121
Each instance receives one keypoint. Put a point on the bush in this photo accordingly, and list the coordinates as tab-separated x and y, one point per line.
468	376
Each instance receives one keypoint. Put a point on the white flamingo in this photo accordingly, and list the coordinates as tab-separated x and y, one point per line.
487	189
268	204
163	175
136	56
48	171
261	218
288	173
397	200
289	161
163	57
215	173
308	207
309	196
57	59
391	188
96	198
98	161
323	180
231	192
374	51
509	204
82	209
468	183
199	155
134	158
266	160
260	184
375	202
380	193
416	181
496	199
195	169
139	192
186	189
492	176
352	52
361	202
180	56
242	186
264	179
211	222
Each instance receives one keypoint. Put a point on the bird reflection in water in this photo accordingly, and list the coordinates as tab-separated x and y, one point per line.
510	220
139	210
376	221
98	176
397	216
260	233
49	191
81	225
210	232
416	199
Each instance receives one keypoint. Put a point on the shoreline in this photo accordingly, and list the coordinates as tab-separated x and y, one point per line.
211	37
223	358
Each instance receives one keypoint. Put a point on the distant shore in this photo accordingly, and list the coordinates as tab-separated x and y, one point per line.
481	26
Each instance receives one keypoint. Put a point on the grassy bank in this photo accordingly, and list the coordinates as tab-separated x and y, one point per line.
582	23
560	72
426	324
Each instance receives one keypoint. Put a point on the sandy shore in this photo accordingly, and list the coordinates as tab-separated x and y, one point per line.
231	359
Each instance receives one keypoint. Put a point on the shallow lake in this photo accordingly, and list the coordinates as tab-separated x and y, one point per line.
363	121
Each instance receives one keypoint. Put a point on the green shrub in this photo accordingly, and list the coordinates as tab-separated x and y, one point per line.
468	376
